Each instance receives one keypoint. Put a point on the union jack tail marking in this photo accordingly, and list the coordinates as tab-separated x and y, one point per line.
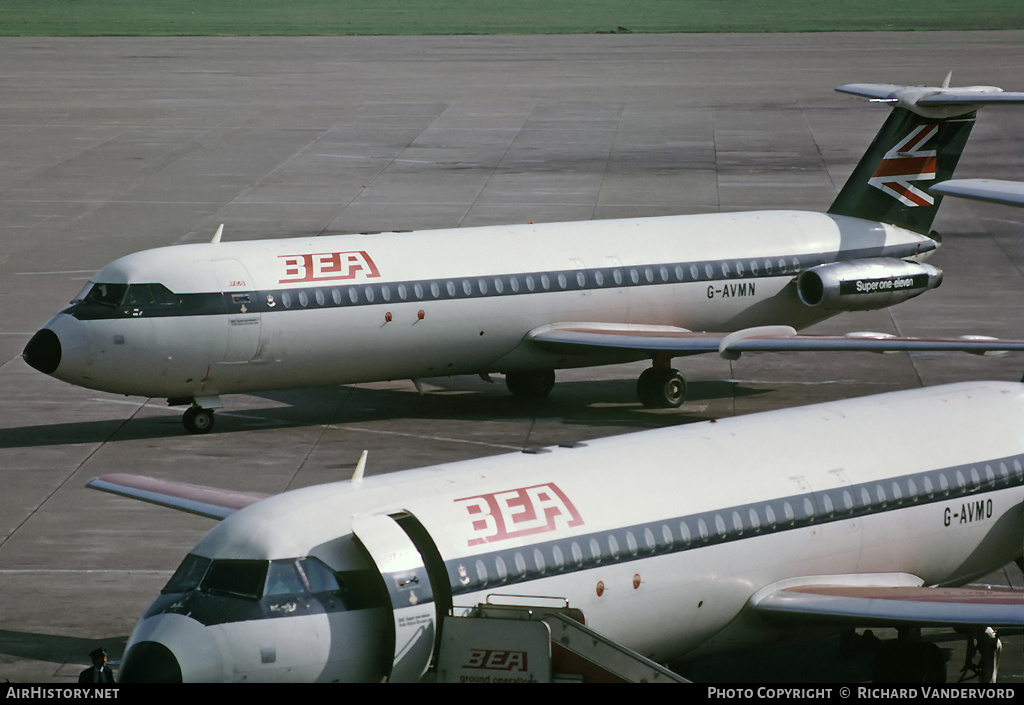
907	162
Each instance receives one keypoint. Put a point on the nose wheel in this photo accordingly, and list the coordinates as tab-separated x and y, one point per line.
661	388
198	420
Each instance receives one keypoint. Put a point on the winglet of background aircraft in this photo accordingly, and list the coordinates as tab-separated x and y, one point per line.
205	501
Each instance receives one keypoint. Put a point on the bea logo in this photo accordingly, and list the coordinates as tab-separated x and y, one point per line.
328	266
491	659
499	516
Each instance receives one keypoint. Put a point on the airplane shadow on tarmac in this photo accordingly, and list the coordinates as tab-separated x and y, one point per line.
590	403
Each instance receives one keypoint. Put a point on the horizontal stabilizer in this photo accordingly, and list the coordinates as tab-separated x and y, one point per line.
894	606
933	101
209	502
1008	193
593	337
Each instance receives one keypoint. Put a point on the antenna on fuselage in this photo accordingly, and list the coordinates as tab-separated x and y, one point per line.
357	474
216	236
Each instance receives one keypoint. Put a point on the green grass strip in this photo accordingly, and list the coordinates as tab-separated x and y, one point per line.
441	17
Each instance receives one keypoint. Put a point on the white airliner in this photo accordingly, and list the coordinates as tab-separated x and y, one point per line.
677	542
194	322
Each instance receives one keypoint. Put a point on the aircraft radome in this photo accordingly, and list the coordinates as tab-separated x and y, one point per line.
191	323
675	543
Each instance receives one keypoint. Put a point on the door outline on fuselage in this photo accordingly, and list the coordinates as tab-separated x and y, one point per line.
244	323
419	596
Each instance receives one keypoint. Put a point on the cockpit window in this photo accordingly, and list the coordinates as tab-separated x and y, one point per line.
292	576
106	294
148	295
235	578
188	574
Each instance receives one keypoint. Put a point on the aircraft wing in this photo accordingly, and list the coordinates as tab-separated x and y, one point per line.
1008	193
592	337
893	606
195	499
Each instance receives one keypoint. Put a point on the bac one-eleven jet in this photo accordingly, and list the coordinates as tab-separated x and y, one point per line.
191	323
677	542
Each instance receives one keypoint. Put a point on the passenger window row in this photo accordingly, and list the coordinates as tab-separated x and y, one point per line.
695	531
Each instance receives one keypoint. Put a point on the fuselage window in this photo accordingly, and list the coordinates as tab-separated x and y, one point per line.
990	476
694	272
753	268
634	276
808	508
562	281
599	278
320	298
943	484
417	290
709	270
353	294
649	275
450	286
1004	473
897	493
530	283
769	515
385	292
829	508
1018	469
664	274
720	525
649	541
581	279
286	299
435	290
787	509
767	267
499	287
336	295
304	299
739	269
725	269
481	573
403	293
880	495
467	288
782	266
666	535
577	554
702	529
679	273
556	554
961	483
545	282
538	560
631	545
520	564
617	277
595	551
684	532
368	293
613	547
502	571
975	478
847	500
737	523
929	488
513	283
911	490
755	523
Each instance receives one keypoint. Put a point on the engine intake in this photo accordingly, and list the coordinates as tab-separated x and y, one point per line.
866	284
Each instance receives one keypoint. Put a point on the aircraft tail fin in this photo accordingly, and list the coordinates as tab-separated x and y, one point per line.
918	145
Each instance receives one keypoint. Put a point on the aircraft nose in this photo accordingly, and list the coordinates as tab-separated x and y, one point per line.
171	648
43	351
150	662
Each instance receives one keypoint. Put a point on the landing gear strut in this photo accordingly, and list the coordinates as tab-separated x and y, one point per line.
198	420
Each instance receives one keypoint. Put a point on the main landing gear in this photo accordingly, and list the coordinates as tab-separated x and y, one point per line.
198	418
659	387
